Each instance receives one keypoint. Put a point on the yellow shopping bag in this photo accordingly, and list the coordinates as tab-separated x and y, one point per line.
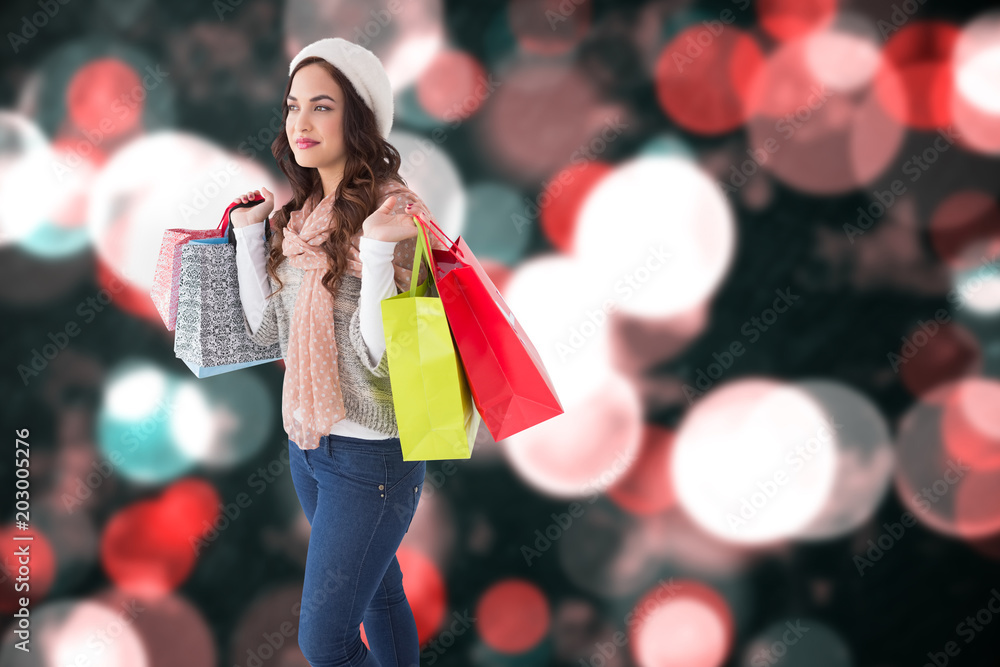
435	412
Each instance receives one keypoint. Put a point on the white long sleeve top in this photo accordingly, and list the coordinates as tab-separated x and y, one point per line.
377	283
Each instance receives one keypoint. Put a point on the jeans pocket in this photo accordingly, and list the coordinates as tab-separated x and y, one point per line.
415	493
368	468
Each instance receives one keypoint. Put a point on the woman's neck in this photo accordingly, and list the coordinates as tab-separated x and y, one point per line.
331	178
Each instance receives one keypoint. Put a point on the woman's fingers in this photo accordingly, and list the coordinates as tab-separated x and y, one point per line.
247	197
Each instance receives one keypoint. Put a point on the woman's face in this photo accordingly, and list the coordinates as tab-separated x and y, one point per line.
316	112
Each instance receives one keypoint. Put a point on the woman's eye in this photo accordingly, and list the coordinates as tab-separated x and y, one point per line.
292	107
323	107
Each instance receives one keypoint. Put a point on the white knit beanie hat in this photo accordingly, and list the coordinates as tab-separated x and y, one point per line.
362	68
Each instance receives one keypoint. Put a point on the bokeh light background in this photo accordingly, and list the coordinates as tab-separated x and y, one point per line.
757	245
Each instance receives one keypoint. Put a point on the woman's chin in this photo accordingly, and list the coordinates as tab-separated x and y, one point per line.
312	161
304	160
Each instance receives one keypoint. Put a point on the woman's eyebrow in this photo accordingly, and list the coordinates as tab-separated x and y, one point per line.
318	97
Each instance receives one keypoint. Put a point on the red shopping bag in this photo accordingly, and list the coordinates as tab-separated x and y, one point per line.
510	386
167	277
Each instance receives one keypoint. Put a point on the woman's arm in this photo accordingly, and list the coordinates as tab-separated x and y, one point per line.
259	315
376	284
385	271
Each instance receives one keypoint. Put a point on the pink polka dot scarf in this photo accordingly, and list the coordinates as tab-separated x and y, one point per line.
311	399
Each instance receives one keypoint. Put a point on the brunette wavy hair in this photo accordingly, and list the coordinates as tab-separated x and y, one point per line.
371	161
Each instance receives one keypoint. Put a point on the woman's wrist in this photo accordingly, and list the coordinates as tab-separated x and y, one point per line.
376	242
247	224
240	221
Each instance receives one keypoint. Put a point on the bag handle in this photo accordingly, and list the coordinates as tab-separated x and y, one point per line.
439	233
225	217
225	225
418	255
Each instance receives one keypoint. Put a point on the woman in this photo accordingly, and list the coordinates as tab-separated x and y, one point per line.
343	243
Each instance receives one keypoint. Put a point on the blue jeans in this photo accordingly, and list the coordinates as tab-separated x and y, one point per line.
359	496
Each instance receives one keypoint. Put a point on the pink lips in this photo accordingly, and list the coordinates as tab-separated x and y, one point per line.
305	144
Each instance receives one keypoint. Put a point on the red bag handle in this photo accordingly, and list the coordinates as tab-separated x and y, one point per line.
439	233
225	215
229	209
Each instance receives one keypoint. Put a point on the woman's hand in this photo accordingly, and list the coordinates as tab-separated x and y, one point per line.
251	215
383	225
